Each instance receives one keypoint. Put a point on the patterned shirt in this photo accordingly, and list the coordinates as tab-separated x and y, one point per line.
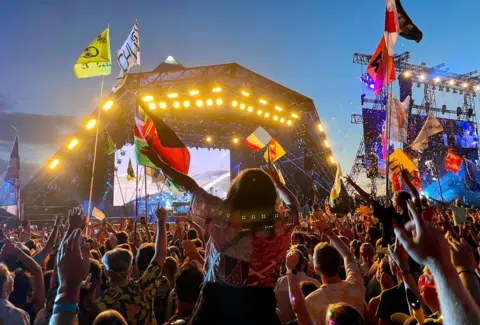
255	259
134	300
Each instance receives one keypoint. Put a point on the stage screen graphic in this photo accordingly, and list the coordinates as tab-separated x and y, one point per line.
209	167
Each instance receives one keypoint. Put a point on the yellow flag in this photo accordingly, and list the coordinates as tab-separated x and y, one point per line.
95	60
276	151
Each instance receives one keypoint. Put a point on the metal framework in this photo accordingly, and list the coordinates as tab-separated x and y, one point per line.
301	139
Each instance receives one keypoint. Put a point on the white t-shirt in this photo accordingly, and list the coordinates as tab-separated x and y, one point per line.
350	291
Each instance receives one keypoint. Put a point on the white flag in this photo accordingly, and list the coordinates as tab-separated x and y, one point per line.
397	115
431	127
97	213
128	56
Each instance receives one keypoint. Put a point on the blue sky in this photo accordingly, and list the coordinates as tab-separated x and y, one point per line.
306	45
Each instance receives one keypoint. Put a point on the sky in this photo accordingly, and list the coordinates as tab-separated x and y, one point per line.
305	45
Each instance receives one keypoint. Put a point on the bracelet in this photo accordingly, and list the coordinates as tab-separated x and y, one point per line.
73	308
467	271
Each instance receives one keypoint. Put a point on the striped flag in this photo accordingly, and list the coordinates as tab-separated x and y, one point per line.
337	186
397	116
391	25
258	139
97	213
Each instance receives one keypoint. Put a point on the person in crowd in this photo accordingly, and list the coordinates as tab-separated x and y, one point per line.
9	314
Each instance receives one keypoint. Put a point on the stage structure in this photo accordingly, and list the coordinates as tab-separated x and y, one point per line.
433	79
214	107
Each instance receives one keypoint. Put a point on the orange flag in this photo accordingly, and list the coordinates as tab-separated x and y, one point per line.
381	68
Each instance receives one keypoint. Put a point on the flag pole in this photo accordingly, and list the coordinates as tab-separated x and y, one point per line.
94	158
146	195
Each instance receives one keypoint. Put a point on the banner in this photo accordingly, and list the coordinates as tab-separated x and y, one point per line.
398	160
431	127
128	56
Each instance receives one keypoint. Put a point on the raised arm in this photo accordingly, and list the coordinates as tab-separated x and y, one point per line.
40	256
161	238
413	189
360	191
287	196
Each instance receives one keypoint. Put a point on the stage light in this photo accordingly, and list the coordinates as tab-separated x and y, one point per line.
172	95
199	103
108	105
147	99
234	103
217	89
332	159
437	80
477	88
422	77
451	82
465	85
320	127
54	164
186	104
407	74
282	120
242	106
91	124
263	101
194	92
176	104
152	106
275	118
278	108
219	101
266	115
208	139
326	143
209	102
289	122
259	112
72	144
250	109
236	140
244	93
163	105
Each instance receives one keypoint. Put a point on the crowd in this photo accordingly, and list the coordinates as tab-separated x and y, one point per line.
250	259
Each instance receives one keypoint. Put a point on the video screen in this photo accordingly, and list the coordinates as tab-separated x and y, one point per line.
210	168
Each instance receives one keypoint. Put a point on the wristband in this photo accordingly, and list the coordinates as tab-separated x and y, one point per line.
73	308
467	271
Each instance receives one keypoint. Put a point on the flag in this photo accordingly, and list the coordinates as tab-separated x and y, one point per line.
258	139
274	152
381	68
453	161
150	130
391	25
96	59
130	172
431	127
337	186
397	116
407	28
11	181
471	171
97	213
128	56
110	147
398	160
383	140
397	184
156	175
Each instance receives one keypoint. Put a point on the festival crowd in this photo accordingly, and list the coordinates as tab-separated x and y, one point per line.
250	259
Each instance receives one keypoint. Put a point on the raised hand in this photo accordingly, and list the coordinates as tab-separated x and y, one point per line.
161	214
462	254
272	172
399	255
292	260
76	219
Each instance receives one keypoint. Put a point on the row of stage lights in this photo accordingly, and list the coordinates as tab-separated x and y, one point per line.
209	102
108	105
439	81
326	144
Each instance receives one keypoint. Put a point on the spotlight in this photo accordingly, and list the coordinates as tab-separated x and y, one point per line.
54	164
259	112
209	102
244	93
147	99
172	95
199	103
194	92
422	77
152	106
163	105
72	144
236	140
368	81
208	139
437	80
186	104
451	82
294	115
234	103
108	105
266	115
465	85
278	108
407	74
282	120
477	88
289	122
332	159
326	143
320	127
263	101
176	104
219	101
242	106
275	118
91	124
250	109
217	89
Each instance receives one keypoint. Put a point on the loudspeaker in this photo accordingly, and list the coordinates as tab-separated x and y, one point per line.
307	163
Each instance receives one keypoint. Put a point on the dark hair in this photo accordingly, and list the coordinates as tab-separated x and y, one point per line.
355	244
343	314
188	282
252	190
31	244
95	254
122	237
327	259
22	285
192	234
96	272
308	287
198	243
169	269
144	256
110	317
299	237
